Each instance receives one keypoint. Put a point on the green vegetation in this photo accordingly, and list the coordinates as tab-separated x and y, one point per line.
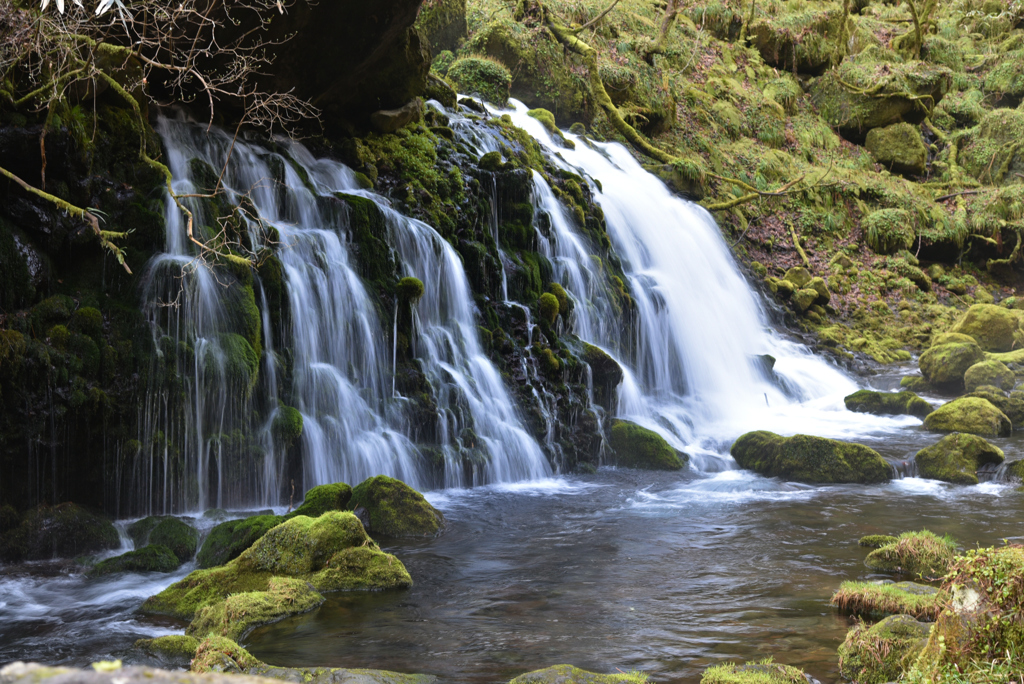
177	536
395	509
764	672
549	306
921	554
324	498
882	652
229	539
803	458
483	76
873	541
236	615
178	646
888	403
567	674
151	558
956	458
637	447
876	600
970	414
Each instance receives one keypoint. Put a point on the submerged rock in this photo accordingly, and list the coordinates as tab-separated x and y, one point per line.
923	554
151	558
944	364
970	414
882	652
888	403
803	458
62	531
956	458
395	509
992	327
878	599
638	447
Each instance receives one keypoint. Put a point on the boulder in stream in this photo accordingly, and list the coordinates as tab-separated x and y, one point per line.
993	327
994	373
944	365
765	672
637	447
920	554
236	615
151	558
567	674
888	403
395	509
815	460
62	531
956	458
882	652
970	414
878	599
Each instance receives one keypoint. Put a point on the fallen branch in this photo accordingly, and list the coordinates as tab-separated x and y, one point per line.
958	194
796	243
596	19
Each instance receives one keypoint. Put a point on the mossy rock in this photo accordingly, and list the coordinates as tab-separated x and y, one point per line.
177	536
1012	406
944	365
548	119
921	554
799	276
139	530
804	37
819	285
956	458
220	654
605	370
481	76
882	652
888	230
992	327
888	403
287	425
567	674
803	299
177	649
239	613
395	509
324	498
229	539
410	289
879	599
970	414
1006	76
62	531
874	541
331	553
815	460
899	148
637	447
991	152
765	672
443	24
151	558
990	373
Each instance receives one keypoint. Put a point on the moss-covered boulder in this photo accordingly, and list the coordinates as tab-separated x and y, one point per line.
888	230
956	458
878	599
567	674
803	38
324	498
177	536
944	365
882	652
969	414
888	403
991	373
482	76
803	299
873	541
331	553
229	539
637	447
764	672
990	152
991	326
799	276
443	24
803	458
177	650
1012	404
921	554
236	615
395	509
151	558
139	530
62	531
899	148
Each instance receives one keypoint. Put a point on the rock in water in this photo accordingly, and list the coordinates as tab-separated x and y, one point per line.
755	673
638	447
994	373
944	364
803	458
177	536
395	509
151	558
62	531
888	403
956	458
879	599
969	414
921	554
229	539
567	674
883	652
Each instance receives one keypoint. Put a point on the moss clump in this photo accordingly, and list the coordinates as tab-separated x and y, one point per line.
944	365
888	230
805	37
177	646
549	307
549	363
990	373
395	509
548	119
922	554
236	615
152	558
888	403
287	425
992	327
992	152
804	458
483	76
409	289
88	321
177	536
638	447
562	296
220	654
970	414
873	541
324	498
139	530
883	652
1007	76
240	362
899	148
878	599
764	672
956	458
567	674
229	539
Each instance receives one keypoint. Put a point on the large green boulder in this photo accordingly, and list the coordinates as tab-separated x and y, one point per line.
969	414
991	326
177	536
324	498
799	276
944	365
637	447
331	553
991	373
62	531
567	674
899	148
956	458
394	509
481	76
151	558
239	613
882	652
803	458
888	403
920	554
228	540
879	599
802	38
1012	405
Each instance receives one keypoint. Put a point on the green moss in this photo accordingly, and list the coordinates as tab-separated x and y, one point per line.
992	327
944	364
993	152
560	294
410	289
888	403
220	654
324	498
567	674
395	509
803	458
241	363
878	599
899	148
486	77
956	458
990	373
239	613
888	230
50	312
88	321
873	541
229	539
882	652
804	37
921	554
764	672
177	536
152	558
549	363
970	414
139	530
175	646
549	307
637	447
62	531
287	425
1007	76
